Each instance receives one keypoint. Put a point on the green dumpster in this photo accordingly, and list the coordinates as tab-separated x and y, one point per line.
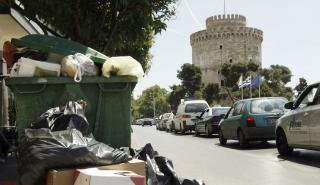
108	102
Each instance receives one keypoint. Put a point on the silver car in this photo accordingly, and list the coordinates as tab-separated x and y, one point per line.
300	127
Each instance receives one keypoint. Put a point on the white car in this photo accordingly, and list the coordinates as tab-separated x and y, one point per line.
300	127
187	113
170	123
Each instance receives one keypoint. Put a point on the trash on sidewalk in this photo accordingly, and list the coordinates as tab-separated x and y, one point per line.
64	117
66	176
95	176
41	150
160	169
59	142
122	66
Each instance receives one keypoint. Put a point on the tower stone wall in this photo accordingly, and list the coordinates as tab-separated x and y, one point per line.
226	39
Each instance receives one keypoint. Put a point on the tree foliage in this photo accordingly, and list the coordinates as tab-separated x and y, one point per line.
177	93
190	76
301	86
145	102
114	27
232	71
211	92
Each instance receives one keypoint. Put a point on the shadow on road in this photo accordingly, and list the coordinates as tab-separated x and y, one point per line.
305	157
253	145
210	137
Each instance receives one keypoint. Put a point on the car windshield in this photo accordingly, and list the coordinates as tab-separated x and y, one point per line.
272	105
218	112
196	107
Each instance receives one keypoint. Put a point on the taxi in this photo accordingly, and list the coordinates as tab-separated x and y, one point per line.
300	127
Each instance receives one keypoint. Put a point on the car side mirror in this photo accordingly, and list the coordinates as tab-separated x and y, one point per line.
222	116
289	105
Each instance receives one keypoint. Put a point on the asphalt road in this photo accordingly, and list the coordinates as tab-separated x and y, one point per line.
203	158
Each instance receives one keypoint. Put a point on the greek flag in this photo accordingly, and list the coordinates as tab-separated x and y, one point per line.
246	82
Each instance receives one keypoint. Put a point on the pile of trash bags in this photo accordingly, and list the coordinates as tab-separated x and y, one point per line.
61	138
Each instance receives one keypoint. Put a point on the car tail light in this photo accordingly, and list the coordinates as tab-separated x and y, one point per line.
250	122
185	116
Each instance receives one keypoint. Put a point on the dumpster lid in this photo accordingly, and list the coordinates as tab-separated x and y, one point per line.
58	45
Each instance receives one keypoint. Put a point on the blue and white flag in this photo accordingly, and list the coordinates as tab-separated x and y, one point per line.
246	82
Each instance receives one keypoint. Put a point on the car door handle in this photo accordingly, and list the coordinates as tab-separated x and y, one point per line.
306	114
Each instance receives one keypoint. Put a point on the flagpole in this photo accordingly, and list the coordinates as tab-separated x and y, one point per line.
242	93
250	87
259	87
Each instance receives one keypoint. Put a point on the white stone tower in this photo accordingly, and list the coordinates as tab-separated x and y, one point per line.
226	39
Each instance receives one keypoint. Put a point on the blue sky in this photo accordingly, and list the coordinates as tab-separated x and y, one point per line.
291	37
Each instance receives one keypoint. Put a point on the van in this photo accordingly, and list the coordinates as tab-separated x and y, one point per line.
187	113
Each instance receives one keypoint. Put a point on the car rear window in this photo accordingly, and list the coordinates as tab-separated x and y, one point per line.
196	107
166	116
272	105
218	112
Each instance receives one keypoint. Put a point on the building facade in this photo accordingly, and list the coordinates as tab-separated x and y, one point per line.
225	39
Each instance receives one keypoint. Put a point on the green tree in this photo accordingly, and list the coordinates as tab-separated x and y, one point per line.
277	76
190	76
211	92
175	96
232	71
145	102
114	27
301	86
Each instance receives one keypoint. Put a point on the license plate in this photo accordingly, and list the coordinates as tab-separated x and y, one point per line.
271	121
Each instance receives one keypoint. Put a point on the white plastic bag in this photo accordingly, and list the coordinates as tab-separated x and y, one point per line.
122	66
78	65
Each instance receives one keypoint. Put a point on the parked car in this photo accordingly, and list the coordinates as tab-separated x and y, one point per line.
300	127
252	119
147	121
170	123
158	122
186	114
138	122
163	122
209	120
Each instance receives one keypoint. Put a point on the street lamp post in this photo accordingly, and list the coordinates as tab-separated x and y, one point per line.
154	106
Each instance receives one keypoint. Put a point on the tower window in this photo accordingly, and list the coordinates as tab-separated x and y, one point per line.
230	60
220	46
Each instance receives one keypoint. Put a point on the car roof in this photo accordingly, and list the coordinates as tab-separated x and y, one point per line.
250	99
194	101
219	107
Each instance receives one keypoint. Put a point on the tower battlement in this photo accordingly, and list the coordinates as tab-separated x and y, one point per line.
226	20
224	33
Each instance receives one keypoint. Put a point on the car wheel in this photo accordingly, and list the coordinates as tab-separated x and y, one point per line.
242	139
207	132
222	140
282	143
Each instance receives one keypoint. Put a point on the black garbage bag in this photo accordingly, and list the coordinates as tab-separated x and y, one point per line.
41	150
65	117
160	169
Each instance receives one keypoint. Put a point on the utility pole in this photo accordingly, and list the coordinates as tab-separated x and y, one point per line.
154	106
